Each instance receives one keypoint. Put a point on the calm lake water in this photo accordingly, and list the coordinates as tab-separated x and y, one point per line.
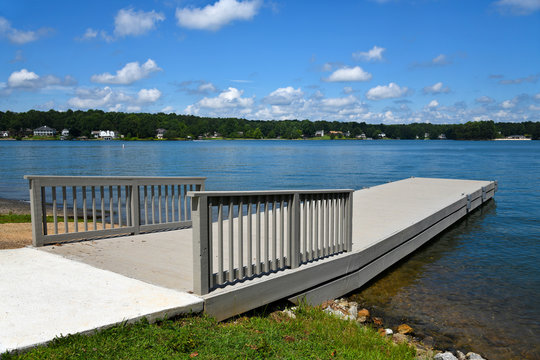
476	286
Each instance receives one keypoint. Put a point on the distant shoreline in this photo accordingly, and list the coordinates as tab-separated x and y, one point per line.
19	207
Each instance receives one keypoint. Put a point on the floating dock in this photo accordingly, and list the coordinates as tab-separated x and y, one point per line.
389	222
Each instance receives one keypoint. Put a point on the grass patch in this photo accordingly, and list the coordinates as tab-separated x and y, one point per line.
27	218
312	335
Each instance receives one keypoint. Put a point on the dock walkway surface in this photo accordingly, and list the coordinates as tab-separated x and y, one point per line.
79	287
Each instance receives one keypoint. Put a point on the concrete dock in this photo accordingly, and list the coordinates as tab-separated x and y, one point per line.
390	221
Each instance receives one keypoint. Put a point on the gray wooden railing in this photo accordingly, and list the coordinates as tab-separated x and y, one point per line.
240	235
87	207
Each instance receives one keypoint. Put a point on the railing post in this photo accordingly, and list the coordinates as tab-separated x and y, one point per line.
349	220
135	209
295	231
201	244
36	209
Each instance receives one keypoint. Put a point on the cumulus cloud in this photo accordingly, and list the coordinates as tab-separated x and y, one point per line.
518	7
130	73
390	91
437	88
283	96
508	104
375	54
197	87
29	80
537	96
20	37
113	100
347	74
130	22
227	100
215	16
168	110
484	100
432	104
339	102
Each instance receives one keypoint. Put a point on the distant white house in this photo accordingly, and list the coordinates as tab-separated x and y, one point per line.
65	132
107	134
160	133
44	131
4	133
319	133
382	135
442	137
426	136
362	136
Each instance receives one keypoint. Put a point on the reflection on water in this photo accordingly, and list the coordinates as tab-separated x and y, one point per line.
444	290
476	285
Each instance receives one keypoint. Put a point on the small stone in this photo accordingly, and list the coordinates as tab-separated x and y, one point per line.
388	331
349	317
404	329
363	312
460	355
399	338
445	356
428	341
377	321
361	319
353	311
289	313
474	356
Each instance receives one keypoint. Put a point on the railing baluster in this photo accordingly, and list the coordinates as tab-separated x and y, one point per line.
159	205
94	209
172	203
249	237
145	205
44	211
266	236
282	232
55	209
75	219
111	207
180	203
231	240
210	238
316	237
185	203
101	192
153	208
221	275
327	225
274	234
85	209
119	205
166	203
129	220
258	237
240	238
332	207
64	202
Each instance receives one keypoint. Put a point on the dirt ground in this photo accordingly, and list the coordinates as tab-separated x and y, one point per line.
14	236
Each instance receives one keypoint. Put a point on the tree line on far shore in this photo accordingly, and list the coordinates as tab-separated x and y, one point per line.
145	125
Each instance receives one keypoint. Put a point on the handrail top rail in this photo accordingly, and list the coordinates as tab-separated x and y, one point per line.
266	192
77	177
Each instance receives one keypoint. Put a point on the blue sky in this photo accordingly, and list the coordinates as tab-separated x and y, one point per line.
391	61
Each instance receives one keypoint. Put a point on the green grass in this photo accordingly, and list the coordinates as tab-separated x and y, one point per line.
312	335
27	218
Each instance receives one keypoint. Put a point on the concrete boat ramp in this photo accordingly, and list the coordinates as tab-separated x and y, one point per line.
79	287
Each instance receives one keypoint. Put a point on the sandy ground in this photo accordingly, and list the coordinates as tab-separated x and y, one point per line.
14	206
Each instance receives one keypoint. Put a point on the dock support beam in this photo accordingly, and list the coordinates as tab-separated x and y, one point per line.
201	243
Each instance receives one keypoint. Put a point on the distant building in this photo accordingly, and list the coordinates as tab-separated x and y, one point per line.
4	133
362	136
95	134
160	133
426	136
382	135
107	134
441	137
319	133
44	131
65	132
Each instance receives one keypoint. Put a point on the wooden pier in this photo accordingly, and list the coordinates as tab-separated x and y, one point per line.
247	249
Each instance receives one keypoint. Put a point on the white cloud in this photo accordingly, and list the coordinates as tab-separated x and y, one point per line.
375	54
349	74
227	101
213	17
17	36
206	88
131	22
29	80
436	88
339	102
518	7
390	91
348	90
508	104
168	110
284	96
89	34
439	60
148	95
433	104
484	100
130	73
534	108
537	96
113	100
